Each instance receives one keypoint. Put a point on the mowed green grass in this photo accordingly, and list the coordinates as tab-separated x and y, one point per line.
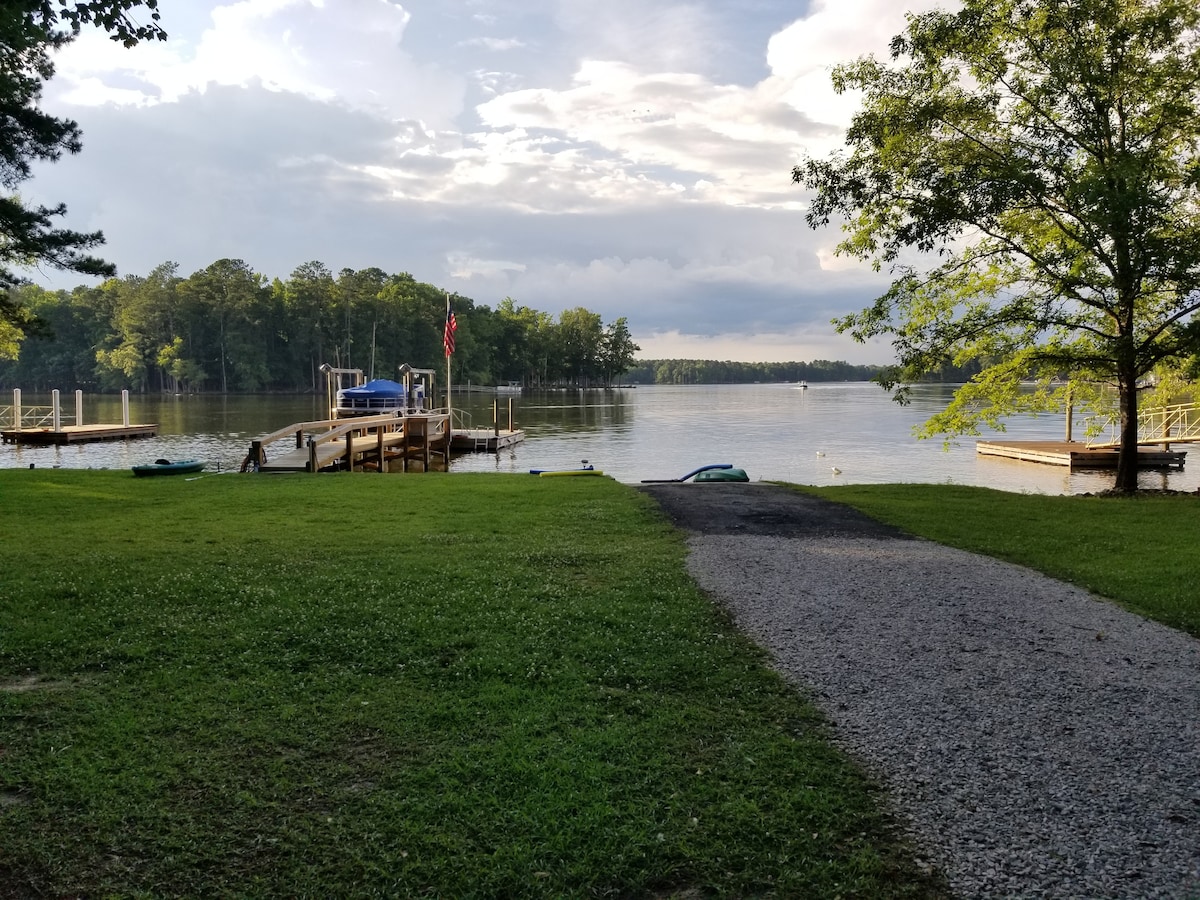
354	685
1140	551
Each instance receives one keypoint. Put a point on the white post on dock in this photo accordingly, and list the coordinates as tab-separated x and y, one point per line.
16	422
79	407
125	408
1070	414
54	404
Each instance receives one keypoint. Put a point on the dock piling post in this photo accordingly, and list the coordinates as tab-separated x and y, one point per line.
510	415
257	456
16	422
125	408
78	407
496	417
55	399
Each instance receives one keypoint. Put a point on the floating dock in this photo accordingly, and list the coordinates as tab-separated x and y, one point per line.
484	440
43	426
1076	455
76	434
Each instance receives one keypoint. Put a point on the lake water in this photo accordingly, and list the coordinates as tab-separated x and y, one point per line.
773	431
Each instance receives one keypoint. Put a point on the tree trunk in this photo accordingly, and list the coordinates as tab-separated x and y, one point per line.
1127	464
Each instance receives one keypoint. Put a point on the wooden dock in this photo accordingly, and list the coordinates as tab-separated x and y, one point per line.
372	443
1076	455
76	434
484	440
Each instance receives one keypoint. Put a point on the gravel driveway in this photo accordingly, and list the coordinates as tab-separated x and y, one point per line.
1042	742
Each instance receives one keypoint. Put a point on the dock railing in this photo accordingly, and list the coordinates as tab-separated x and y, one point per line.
1166	425
313	433
357	435
1169	424
30	417
19	416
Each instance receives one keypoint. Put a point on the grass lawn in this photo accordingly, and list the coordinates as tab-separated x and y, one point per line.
1140	551
353	685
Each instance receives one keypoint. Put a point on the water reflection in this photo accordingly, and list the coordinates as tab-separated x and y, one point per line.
777	432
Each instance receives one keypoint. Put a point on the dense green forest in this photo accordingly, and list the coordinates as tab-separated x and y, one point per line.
228	328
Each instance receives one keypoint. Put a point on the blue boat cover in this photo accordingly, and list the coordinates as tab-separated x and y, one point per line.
380	389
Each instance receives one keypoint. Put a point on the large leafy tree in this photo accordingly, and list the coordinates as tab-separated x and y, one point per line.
30	31
580	344
617	351
1030	172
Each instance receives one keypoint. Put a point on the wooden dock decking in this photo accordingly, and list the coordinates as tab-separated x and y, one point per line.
1076	455
379	443
484	440
76	434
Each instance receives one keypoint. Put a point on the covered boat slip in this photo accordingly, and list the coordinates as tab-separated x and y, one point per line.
377	443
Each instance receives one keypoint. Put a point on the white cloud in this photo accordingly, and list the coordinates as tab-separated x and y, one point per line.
535	150
497	44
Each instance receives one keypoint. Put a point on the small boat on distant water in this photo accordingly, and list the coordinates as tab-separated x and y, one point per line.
166	467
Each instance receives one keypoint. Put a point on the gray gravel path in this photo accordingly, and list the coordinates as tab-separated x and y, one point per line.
1041	742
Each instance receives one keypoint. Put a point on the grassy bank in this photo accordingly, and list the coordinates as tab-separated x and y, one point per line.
1139	551
487	686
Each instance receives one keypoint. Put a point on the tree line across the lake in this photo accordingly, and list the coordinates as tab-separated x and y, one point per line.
226	328
711	371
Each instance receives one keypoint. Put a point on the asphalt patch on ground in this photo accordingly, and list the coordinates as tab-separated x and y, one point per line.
715	508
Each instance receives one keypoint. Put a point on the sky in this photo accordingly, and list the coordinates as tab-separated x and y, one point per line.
632	157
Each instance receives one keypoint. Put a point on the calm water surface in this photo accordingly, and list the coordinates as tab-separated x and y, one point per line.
773	431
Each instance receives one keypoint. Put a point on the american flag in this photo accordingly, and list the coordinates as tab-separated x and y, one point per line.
451	327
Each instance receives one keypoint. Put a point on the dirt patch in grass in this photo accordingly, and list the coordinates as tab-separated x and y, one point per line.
23	684
12	797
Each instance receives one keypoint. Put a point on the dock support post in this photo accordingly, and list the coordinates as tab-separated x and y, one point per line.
56	417
16	422
125	408
79	407
350	450
1070	414
496	418
312	455
256	458
379	450
510	415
